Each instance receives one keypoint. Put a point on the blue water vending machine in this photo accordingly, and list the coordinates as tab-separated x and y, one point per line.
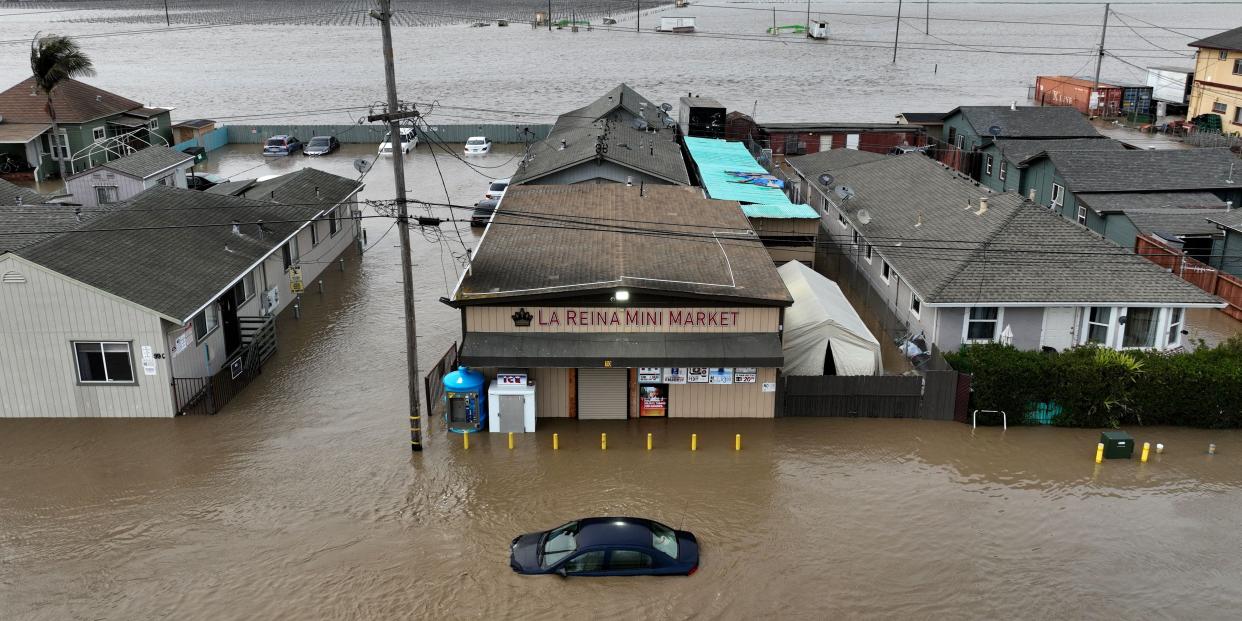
465	397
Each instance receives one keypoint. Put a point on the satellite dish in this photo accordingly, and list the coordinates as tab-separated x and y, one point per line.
639	124
669	122
864	216
666	107
362	165
845	192
995	130
826	179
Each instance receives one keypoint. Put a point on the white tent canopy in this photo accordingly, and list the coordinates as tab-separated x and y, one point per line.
822	319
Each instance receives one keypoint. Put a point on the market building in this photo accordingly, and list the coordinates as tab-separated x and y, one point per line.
620	302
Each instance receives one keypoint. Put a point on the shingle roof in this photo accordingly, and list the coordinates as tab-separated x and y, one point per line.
1174	221
916	118
21	133
620	97
156	251
1144	171
144	163
194	123
75	102
1019	150
1228	40
12	194
309	186
24	226
1231	219
231	188
1027	122
654	153
572	238
816	164
1129	201
1015	252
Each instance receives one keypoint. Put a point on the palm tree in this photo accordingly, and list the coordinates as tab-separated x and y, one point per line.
52	59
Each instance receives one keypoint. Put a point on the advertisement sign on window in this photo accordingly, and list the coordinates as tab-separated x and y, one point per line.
649	375
653	400
675	375
722	376
744	375
696	375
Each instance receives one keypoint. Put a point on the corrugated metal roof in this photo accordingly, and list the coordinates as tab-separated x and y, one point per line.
717	160
787	211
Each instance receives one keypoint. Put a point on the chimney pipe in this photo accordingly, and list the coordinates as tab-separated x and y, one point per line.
1032	195
237	227
1013	105
920	221
983	206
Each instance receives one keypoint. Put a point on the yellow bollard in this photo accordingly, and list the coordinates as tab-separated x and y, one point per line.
694	441
510	440
465	441
1099	453
648	442
556	441
603	441
737	442
1146	448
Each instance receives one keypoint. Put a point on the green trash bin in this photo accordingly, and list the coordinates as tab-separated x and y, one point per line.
1117	445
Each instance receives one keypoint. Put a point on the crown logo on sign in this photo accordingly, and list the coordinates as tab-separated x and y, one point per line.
522	318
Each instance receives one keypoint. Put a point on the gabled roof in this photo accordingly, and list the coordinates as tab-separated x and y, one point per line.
1027	121
1228	40
22	226
919	118
1116	202
13	194
621	97
231	188
1144	171
1174	221
559	239
656	154
721	163
309	186
145	163
21	133
168	249
1015	252
1019	150
816	164
75	102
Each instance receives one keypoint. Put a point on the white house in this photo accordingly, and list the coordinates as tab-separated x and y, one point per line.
956	263
125	178
139	310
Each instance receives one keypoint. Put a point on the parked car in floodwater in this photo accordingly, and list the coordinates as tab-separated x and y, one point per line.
281	145
203	181
321	145
496	189
409	140
606	546
478	145
483	211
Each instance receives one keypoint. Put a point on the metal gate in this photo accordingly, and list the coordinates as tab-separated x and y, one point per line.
603	394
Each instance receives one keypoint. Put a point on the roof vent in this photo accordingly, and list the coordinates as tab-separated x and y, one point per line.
919	223
1013	105
563	145
237	227
13	278
1032	195
98	97
983	206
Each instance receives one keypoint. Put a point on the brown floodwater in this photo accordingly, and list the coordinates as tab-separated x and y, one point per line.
301	499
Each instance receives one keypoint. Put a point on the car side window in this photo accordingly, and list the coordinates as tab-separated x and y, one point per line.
622	560
586	562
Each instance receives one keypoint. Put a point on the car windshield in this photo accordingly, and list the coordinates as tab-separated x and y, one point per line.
275	142
498	186
664	539
559	543
320	142
475	141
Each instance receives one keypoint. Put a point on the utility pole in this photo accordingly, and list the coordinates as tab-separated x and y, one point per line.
393	116
927	18
167	21
774	31
897	35
1099	61
549	15
808	17
638	16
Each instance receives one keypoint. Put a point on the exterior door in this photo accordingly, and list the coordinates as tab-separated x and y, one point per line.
1059	324
229	323
603	394
851	141
512	413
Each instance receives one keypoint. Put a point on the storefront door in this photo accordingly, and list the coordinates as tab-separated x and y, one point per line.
603	394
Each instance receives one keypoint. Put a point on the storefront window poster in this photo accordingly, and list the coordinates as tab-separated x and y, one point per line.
744	375
722	376
697	375
649	375
653	400
675	375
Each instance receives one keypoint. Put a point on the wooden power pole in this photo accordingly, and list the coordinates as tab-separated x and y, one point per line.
897	35
1099	62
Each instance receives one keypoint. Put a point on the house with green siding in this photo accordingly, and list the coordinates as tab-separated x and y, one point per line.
1000	158
970	129
1229	252
95	127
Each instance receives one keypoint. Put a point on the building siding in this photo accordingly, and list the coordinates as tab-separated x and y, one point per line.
727	401
39	321
551	392
500	319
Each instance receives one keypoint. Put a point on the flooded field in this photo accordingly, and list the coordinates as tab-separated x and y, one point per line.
268	57
301	499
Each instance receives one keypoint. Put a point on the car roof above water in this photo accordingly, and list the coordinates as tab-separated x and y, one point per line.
625	531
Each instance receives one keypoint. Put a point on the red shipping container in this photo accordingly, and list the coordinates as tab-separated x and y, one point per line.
1059	90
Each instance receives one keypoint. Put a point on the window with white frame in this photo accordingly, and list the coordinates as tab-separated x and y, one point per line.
206	322
868	251
106	194
104	362
916	305
982	323
1220	108
1223	55
886	272
1237	67
59	145
1082	214
1237	115
1004	168
1141	327
333	221
841	219
314	229
1058	196
244	289
1099	320
961	140
153	123
1177	318
857	238
98	134
987	166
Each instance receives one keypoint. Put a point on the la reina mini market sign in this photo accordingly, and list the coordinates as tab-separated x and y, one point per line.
631	317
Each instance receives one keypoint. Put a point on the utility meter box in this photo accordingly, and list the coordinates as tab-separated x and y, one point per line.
1117	445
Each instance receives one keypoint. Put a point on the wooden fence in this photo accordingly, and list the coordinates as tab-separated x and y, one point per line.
937	395
433	387
1193	271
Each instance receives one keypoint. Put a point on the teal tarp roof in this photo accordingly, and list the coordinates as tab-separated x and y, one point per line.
720	162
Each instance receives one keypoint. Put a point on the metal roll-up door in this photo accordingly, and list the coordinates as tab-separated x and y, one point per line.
603	394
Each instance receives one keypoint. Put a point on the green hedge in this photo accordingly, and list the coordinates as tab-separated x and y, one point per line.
1104	388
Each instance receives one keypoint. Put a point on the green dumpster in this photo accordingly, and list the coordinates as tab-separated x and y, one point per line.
1117	445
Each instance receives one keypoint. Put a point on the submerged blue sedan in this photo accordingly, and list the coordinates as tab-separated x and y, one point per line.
607	546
